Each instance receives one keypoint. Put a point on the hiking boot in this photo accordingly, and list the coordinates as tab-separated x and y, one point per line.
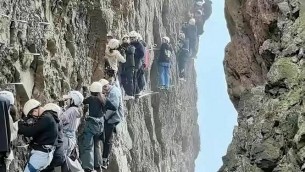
182	79
105	163
162	87
98	169
128	97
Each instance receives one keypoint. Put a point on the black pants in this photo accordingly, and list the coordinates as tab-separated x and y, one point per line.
109	129
182	57
2	162
141	79
128	81
193	46
58	160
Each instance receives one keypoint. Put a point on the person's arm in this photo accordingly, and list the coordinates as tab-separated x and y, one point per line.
32	130
141	51
110	106
65	117
86	101
120	57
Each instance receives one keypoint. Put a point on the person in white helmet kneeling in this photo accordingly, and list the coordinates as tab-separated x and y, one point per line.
42	127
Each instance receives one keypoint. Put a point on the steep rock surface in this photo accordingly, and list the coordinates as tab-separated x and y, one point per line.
264	66
55	46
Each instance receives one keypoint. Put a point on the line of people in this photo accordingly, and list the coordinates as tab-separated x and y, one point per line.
126	63
188	39
53	130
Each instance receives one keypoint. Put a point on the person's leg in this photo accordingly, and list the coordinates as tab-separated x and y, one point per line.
87	147
161	72
129	85
109	130
135	82
167	75
108	139
97	152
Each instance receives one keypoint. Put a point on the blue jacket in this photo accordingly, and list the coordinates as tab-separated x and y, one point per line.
114	97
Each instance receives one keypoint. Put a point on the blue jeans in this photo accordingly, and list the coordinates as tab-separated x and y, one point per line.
39	160
164	74
91	156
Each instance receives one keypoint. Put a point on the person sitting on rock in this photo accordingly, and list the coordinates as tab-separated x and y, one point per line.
113	57
113	116
92	135
139	57
42	127
164	62
59	158
182	55
128	68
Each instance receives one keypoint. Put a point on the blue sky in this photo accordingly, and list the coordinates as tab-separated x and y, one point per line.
217	115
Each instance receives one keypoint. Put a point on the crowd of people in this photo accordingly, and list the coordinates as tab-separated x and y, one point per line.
52	129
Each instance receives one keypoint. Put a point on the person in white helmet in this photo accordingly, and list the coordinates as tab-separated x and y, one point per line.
139	57
8	129
92	135
182	54
190	31
71	119
128	68
113	57
44	133
164	61
59	158
113	116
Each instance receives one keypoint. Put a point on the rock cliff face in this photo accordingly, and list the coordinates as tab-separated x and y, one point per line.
55	46
264	66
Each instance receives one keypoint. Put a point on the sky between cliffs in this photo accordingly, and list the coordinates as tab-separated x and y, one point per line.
217	115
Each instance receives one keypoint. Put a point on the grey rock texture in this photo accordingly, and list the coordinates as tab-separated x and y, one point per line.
266	83
55	46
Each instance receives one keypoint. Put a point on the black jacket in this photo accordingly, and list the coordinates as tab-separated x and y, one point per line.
165	53
59	156
44	131
4	125
96	108
128	51
190	31
139	54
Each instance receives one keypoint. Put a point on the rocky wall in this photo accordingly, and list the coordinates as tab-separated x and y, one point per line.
264	67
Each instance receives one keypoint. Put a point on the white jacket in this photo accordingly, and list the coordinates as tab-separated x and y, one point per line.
113	58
